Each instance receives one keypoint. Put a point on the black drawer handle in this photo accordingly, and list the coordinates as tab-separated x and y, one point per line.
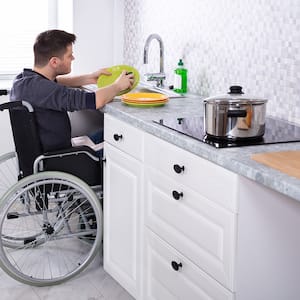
176	265
118	136
176	195
178	169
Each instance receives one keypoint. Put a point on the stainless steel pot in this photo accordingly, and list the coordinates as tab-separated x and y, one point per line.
234	116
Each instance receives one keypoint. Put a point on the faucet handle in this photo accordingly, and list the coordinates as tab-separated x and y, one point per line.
158	77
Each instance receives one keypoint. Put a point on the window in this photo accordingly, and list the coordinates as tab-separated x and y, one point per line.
20	23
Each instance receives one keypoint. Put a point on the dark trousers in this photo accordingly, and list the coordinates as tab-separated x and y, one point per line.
98	137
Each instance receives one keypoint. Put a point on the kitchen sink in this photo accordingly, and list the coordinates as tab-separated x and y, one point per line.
144	87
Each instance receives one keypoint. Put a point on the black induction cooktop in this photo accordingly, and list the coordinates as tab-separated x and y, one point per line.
276	131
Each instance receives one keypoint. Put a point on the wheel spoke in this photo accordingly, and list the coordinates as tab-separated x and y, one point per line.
48	241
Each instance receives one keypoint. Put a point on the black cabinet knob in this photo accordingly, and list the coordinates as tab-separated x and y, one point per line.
176	265
178	169
176	195
118	136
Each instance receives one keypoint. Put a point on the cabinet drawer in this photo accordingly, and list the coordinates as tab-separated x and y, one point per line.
201	230
162	281
123	136
209	179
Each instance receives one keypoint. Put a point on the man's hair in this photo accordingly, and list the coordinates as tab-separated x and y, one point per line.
51	43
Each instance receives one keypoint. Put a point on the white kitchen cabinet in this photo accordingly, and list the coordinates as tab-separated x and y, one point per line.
185	205
122	199
124	137
144	225
169	275
195	226
268	254
210	180
177	226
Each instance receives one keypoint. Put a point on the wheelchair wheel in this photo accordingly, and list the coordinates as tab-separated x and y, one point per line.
9	171
51	228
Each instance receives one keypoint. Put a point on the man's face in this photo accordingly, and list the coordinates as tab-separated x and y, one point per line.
64	63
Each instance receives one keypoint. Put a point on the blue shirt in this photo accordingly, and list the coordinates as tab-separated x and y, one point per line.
51	102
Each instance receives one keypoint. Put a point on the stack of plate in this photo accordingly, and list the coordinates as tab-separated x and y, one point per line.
145	99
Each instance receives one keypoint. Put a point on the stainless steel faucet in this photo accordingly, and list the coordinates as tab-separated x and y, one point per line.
158	77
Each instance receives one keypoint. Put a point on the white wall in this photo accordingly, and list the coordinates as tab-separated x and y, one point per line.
254	43
98	25
99	30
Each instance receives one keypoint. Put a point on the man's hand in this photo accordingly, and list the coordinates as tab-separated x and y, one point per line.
107	93
125	81
95	75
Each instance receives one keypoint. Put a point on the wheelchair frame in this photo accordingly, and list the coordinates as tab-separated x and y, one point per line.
50	219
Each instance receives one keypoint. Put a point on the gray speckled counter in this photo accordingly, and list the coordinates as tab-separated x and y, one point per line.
235	159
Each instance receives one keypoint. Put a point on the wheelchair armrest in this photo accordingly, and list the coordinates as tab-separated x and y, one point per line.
80	161
72	151
3	92
14	104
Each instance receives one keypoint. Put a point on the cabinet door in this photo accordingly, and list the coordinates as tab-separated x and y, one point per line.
122	198
198	228
168	275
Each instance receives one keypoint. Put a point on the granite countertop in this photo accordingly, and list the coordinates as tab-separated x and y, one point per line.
236	159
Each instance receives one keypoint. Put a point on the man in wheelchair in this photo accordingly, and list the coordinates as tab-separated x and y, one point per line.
48	216
50	91
47	88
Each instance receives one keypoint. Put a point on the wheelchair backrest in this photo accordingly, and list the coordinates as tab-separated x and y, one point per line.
25	134
79	161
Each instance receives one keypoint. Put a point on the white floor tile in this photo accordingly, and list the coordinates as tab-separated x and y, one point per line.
18	292
8	282
92	284
11	289
83	291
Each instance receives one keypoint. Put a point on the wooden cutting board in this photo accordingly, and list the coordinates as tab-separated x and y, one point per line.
285	161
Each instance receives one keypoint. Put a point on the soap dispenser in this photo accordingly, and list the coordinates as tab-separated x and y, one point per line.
180	78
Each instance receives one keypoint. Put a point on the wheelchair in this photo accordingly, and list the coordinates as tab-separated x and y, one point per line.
50	205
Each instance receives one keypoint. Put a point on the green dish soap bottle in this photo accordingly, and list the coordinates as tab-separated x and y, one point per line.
180	78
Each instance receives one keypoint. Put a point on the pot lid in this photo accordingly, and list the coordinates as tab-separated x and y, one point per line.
235	95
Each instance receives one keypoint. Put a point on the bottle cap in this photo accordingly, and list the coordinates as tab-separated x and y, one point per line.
180	63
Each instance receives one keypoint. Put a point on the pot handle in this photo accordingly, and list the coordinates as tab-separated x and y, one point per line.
236	113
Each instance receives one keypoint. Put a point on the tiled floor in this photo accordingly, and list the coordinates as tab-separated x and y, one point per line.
92	284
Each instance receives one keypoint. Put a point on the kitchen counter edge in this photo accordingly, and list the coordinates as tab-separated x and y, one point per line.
237	159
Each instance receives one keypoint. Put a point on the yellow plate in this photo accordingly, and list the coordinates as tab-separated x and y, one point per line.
144	97
105	80
143	104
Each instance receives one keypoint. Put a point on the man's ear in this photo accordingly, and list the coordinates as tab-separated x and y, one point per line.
53	61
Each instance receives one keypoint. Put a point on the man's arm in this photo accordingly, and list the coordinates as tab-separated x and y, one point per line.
80	80
105	94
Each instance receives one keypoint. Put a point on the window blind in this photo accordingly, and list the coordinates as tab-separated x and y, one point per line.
20	23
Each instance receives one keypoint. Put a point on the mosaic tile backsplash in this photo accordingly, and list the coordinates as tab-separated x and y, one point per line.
255	44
